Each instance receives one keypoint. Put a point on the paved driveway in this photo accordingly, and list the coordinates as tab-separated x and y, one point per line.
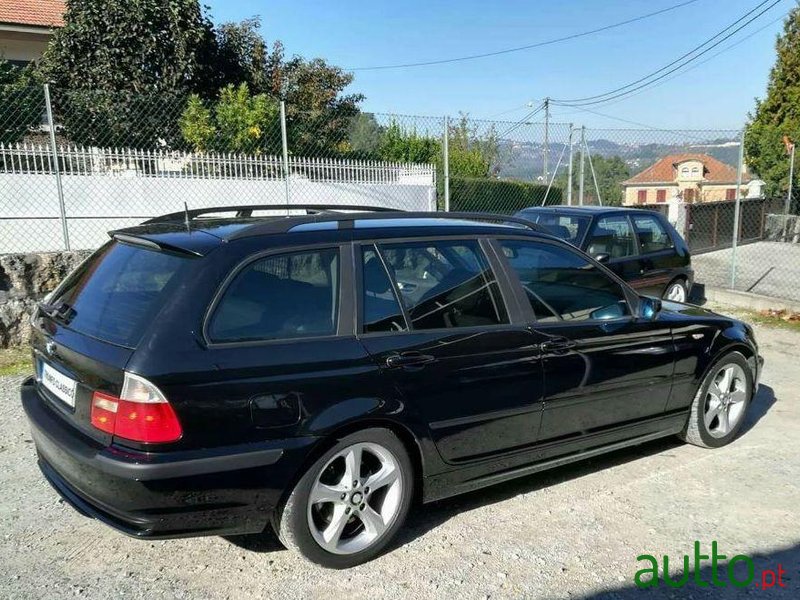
768	268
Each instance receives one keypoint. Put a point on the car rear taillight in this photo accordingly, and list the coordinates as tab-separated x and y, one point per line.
141	413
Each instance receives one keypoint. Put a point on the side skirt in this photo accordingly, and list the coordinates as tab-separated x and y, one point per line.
541	458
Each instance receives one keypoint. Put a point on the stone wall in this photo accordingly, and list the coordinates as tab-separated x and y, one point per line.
24	280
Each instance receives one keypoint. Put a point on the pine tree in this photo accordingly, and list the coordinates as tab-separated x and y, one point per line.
778	115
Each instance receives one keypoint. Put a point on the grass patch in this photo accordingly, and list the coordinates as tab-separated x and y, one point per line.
777	318
15	361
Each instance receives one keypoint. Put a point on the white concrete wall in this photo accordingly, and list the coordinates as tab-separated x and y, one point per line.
29	209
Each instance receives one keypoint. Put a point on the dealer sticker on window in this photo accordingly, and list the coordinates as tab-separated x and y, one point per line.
59	384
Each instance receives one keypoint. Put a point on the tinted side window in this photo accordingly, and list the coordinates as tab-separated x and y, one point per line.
653	237
612	236
562	285
445	284
382	311
283	296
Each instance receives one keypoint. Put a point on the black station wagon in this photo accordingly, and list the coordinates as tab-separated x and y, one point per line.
640	246
209	375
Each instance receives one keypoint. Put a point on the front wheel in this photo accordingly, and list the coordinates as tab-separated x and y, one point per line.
351	502
719	408
676	291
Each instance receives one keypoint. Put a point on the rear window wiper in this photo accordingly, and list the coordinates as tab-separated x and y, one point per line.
60	311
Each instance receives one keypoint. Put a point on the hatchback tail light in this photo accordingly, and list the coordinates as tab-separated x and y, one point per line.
141	413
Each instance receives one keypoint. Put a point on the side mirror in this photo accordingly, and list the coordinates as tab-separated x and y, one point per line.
603	257
649	307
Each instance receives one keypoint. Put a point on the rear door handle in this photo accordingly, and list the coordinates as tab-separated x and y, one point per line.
409	359
558	344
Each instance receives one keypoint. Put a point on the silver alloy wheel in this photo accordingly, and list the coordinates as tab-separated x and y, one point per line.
676	292
725	400
355	498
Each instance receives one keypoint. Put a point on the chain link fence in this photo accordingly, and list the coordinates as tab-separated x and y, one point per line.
74	165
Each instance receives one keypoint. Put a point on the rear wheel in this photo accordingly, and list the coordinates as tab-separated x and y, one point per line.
721	403
676	291
351	502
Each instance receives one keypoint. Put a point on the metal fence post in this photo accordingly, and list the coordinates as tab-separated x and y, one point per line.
582	166
737	210
56	170
446	163
569	169
788	206
285	145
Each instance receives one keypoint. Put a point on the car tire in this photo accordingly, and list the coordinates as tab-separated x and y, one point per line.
332	522
676	291
720	406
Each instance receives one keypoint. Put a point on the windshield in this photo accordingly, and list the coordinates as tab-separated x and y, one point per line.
114	294
567	227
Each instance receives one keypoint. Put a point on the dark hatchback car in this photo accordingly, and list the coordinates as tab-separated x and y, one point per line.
318	372
641	246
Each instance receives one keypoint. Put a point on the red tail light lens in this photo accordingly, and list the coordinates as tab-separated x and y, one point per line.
141	413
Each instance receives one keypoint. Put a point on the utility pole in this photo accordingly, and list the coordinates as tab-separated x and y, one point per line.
569	169
285	152
737	210
583	165
446	161
546	138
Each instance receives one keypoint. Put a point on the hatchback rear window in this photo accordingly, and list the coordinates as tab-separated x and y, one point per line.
115	293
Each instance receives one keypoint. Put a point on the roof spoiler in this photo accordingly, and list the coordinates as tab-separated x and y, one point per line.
151	244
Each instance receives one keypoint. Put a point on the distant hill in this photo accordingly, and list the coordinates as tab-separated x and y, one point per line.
525	160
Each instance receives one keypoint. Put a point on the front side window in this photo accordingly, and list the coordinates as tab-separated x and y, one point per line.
283	296
612	236
561	285
653	237
445	284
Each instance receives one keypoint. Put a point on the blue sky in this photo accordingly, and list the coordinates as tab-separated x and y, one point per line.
357	33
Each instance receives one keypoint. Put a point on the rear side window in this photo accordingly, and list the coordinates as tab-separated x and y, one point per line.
567	227
283	296
382	311
114	294
445	284
612	236
653	236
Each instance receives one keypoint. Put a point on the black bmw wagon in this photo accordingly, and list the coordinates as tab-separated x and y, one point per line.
203	374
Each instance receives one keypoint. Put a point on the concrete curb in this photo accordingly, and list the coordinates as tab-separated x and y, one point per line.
748	300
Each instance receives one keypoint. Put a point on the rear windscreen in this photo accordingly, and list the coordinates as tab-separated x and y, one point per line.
116	292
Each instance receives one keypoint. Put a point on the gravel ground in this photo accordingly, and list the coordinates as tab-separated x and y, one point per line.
574	532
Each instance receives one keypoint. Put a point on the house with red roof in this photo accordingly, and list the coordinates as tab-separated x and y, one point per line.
689	178
26	27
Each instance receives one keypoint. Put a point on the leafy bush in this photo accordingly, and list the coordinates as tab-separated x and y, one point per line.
237	122
497	195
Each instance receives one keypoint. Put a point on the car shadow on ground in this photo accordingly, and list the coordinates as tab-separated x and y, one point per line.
424	518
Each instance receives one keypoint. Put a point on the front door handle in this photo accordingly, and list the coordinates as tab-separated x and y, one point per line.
557	345
409	359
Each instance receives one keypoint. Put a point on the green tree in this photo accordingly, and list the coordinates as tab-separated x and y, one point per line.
364	136
399	145
237	122
778	113
471	154
318	112
120	69
22	104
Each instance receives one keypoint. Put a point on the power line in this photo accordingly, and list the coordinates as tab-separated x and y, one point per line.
621	91
528	47
522	121
679	73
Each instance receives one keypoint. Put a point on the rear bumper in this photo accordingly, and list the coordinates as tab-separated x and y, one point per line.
178	494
